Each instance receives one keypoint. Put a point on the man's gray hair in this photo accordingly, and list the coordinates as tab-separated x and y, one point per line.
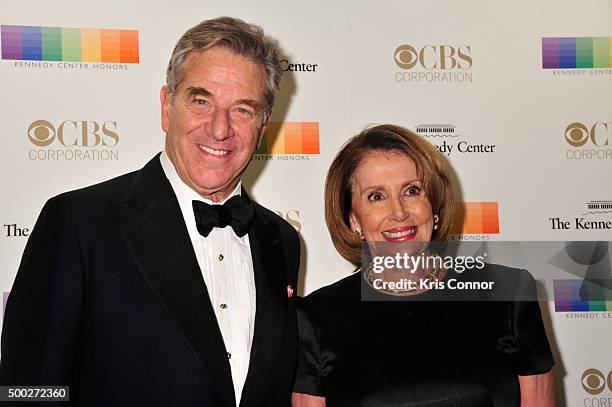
244	39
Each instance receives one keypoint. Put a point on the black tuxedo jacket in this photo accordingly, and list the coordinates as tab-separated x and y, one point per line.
109	300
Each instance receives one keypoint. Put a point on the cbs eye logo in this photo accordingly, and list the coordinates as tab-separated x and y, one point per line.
73	133
594	381
40	133
406	56
577	134
433	57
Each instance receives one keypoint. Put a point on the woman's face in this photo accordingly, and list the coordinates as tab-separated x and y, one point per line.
389	204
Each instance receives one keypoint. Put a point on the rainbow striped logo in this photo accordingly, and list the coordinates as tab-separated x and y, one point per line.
30	43
576	52
290	138
476	218
582	295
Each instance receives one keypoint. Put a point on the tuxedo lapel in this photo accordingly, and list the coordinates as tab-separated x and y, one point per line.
151	223
271	303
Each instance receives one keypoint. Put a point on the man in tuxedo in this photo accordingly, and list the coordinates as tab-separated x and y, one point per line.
168	286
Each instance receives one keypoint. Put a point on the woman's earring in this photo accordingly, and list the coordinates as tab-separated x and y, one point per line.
357	232
436	219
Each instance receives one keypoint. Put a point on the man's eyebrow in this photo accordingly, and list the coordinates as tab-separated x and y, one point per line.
195	90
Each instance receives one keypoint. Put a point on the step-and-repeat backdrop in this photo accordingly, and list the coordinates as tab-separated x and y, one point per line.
516	94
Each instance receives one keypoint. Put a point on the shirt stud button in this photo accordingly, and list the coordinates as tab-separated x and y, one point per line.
223	306
221	257
229	355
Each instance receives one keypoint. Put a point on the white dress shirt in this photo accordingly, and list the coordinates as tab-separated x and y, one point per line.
227	267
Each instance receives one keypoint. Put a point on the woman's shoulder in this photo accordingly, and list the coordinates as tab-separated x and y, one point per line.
507	273
511	283
327	298
348	286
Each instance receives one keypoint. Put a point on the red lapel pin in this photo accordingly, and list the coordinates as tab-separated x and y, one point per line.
289	291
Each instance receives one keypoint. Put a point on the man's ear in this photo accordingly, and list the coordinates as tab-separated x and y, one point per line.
165	100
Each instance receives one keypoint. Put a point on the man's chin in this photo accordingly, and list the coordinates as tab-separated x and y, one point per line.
223	187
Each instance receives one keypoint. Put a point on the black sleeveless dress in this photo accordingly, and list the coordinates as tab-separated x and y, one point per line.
420	351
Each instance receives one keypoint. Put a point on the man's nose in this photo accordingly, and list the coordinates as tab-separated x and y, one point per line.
220	125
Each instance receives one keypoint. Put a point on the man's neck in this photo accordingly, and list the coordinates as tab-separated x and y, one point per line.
215	197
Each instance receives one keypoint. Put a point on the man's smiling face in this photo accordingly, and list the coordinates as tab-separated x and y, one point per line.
214	123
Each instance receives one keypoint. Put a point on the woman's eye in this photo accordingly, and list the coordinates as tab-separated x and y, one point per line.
375	196
413	190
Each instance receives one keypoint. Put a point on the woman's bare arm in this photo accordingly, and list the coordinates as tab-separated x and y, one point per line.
537	390
306	400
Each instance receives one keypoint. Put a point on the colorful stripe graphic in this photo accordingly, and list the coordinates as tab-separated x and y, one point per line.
576	52
290	138
582	295
475	218
69	44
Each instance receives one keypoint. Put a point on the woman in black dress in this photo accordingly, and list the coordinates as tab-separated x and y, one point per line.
413	346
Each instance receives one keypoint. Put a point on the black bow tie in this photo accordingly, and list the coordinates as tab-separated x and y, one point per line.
234	212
